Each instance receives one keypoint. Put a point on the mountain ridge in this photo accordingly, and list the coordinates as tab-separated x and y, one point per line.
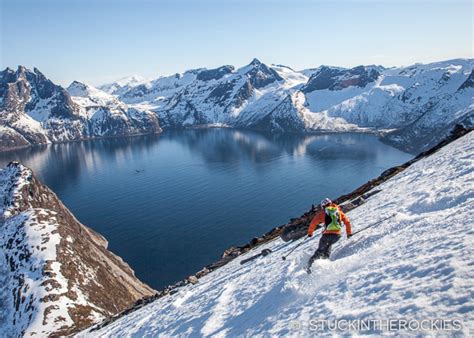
33	111
411	107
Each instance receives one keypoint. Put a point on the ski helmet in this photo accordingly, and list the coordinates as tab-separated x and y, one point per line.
325	202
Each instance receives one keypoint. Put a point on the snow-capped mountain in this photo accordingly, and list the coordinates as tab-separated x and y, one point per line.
56	275
254	96
108	116
412	262
413	107
420	103
423	102
122	84
33	110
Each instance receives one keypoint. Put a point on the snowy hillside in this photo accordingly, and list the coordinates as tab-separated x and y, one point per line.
33	110
56	275
415	263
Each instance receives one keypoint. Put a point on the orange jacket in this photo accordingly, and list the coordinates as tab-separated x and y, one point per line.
320	218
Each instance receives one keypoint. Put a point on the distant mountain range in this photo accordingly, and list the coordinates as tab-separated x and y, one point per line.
411	107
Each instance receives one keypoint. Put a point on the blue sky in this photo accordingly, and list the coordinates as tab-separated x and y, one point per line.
100	41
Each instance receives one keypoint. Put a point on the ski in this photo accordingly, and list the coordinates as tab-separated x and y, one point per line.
263	253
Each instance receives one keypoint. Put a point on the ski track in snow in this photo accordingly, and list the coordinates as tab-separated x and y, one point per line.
417	264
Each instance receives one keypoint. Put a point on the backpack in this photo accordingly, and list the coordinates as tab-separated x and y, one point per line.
332	220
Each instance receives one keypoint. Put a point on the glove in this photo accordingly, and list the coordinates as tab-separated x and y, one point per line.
349	236
310	235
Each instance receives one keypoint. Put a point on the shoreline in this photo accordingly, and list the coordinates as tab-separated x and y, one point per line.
370	131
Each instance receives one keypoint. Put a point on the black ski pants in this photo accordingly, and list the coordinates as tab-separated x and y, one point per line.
324	248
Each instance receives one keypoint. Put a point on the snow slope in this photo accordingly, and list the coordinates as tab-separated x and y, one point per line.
416	265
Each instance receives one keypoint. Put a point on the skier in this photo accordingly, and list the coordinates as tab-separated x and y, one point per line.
332	217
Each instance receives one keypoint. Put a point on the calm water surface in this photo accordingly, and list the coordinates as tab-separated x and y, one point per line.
170	204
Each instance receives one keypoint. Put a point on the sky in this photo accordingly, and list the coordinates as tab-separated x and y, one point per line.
99	41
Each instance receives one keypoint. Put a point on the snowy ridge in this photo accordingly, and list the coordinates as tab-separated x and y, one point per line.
56	275
422	102
36	230
253	96
33	110
122	84
419	105
415	264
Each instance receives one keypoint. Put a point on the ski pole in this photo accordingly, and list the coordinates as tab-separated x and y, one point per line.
296	246
376	223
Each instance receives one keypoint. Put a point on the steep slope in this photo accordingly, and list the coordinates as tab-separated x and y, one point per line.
441	112
291	115
57	276
33	110
415	262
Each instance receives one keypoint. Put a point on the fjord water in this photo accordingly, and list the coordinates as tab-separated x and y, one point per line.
170	204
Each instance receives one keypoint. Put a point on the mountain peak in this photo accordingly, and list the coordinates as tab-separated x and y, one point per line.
77	88
76	83
38	72
335	78
21	71
260	74
255	62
